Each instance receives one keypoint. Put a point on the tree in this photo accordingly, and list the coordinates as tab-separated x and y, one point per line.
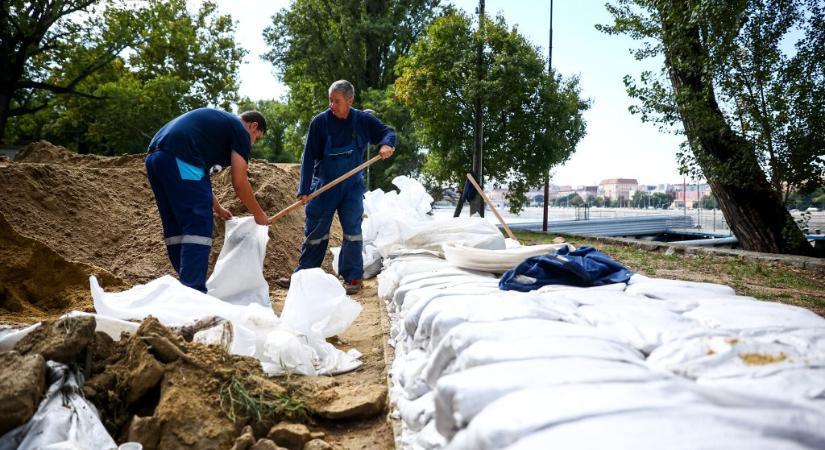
709	202
661	199
278	118
38	39
713	71
316	42
177	61
532	120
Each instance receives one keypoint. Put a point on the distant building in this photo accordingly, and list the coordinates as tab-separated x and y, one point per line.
616	188
691	194
587	192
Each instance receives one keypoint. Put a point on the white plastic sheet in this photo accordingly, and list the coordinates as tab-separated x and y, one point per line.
280	345
65	420
238	275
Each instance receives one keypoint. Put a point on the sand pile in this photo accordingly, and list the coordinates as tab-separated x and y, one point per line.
95	214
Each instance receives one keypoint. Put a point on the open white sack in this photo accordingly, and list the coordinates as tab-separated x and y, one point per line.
496	261
64	420
280	345
238	275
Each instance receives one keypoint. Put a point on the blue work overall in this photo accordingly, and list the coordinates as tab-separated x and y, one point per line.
183	194
347	199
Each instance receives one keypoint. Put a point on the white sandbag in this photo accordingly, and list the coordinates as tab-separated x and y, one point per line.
445	313
805	385
417	302
742	313
400	266
466	334
317	304
413	194
174	304
495	351
652	284
443	277
462	395
497	261
472	232
694	428
372	260
417	413
64	419
685	407
644	324
238	275
780	365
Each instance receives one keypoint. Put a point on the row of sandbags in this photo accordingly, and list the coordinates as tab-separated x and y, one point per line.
652	363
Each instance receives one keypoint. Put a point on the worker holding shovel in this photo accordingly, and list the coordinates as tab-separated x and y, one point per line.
334	146
182	156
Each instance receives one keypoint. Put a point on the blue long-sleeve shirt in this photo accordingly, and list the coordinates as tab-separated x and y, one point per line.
369	128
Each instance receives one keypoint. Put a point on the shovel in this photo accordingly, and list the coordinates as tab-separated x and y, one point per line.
324	188
492	208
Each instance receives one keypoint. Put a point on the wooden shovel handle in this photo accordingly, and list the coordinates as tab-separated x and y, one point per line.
324	188
492	208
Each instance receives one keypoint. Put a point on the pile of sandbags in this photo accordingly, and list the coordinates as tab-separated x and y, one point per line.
649	364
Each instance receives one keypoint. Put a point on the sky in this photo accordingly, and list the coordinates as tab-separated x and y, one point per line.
617	144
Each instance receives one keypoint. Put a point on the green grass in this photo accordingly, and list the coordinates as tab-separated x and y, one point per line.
242	403
760	279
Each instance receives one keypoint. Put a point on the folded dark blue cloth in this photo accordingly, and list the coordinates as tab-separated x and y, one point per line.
584	266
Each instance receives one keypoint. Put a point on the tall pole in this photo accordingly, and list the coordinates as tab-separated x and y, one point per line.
477	205
550	72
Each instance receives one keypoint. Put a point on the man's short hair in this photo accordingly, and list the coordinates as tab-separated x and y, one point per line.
255	117
344	87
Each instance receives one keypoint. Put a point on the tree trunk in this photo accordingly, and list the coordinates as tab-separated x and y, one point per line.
751	207
5	102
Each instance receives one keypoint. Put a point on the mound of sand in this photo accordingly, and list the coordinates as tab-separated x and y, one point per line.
88	212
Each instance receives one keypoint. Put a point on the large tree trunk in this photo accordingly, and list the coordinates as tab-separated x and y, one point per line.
5	102
751	207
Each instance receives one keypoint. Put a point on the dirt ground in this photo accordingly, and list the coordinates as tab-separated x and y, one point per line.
65	216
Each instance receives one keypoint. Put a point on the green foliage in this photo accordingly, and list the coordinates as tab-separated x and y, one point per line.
769	96
532	121
315	42
407	158
162	61
271	146
710	202
803	200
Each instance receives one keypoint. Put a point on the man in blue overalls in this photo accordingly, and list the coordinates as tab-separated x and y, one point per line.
182	156
335	145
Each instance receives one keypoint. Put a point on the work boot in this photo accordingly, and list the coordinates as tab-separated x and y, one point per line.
352	286
284	282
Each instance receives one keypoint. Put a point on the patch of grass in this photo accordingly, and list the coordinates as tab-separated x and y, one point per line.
765	280
240	402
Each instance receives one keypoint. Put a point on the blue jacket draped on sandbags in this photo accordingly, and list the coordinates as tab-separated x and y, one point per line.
583	267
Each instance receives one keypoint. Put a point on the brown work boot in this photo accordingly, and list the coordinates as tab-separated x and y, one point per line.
284	282
352	286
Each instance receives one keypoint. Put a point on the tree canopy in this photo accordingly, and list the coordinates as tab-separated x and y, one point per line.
745	107
131	67
315	42
532	120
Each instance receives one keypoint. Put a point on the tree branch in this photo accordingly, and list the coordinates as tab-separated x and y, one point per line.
28	84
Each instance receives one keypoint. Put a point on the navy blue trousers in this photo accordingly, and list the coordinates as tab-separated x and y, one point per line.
347	199
185	207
